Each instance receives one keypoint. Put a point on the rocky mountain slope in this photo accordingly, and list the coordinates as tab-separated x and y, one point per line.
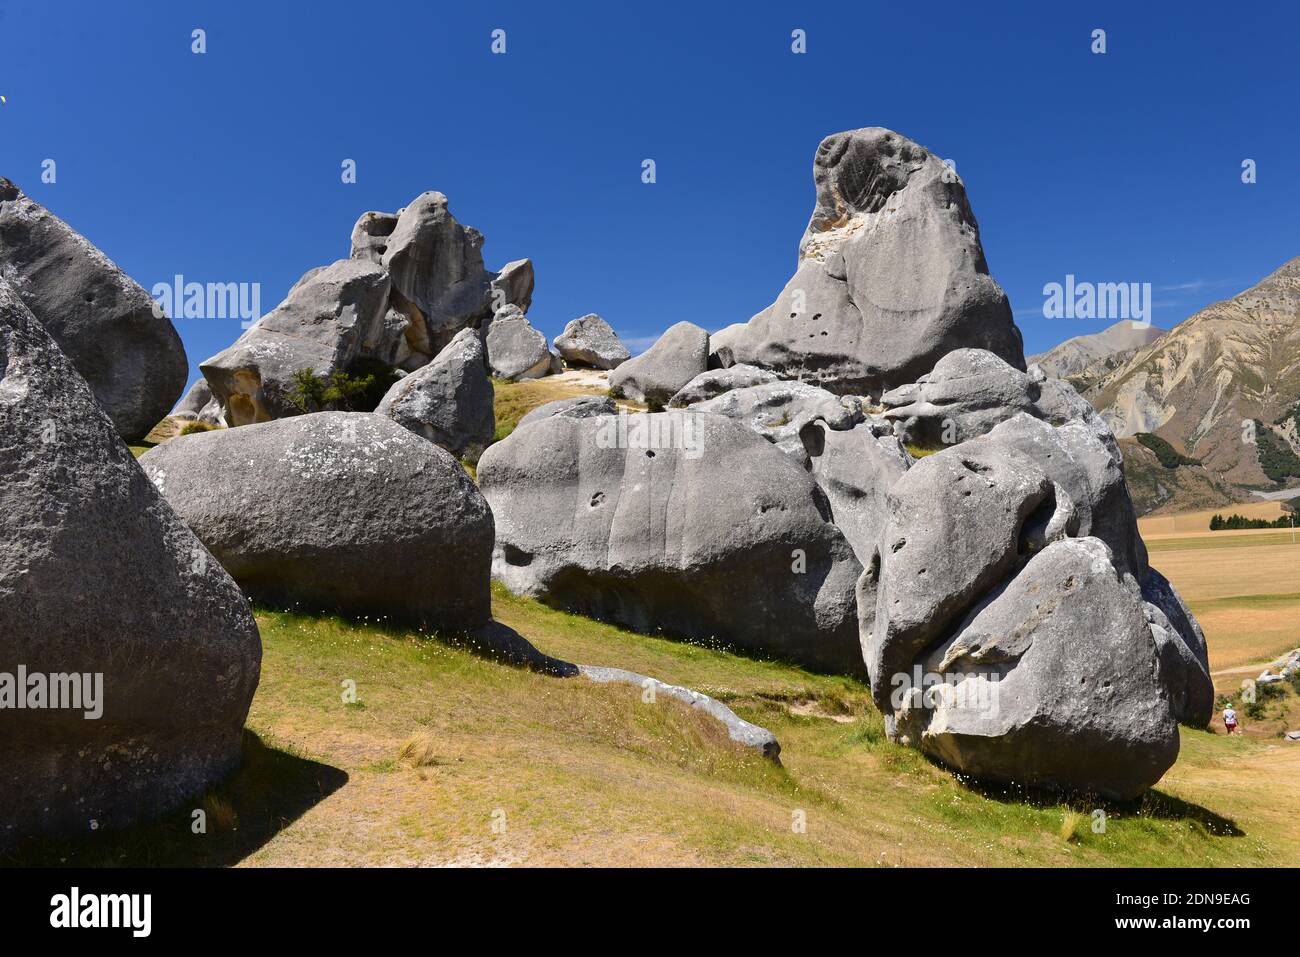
1082	354
1223	387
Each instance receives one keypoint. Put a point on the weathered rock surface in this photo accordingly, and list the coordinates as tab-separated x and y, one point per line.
714	382
513	286
324	325
582	407
102	320
515	350
340	511
370	236
436	265
680	522
969	391
591	341
891	274
721	355
1011	565
1052	682
99	576
856	467
782	411
657	374
195	401
449	401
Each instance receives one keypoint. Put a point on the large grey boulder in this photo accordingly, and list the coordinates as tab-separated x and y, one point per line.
515	350
591	341
1052	682
341	511
657	374
676	522
1180	643
721	355
782	411
714	382
125	349
969	391
581	407
195	401
960	589
449	401
891	274
855	467
98	577
513	285
329	321
436	265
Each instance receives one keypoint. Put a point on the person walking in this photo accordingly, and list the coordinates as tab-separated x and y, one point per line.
1230	719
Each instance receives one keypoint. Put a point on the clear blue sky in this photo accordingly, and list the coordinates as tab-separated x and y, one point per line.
225	167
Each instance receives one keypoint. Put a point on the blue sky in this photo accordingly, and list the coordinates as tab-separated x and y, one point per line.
225	167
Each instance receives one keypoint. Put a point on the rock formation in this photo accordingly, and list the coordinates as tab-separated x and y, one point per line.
591	341
346	512
891	274
103	321
100	582
449	401
657	374
678	522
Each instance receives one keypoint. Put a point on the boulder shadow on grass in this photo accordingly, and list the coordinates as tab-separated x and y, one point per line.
1153	805
269	790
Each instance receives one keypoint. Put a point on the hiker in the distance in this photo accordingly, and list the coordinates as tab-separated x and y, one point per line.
1230	719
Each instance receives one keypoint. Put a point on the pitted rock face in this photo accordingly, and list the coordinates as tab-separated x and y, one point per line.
99	576
1011	564
103	321
891	274
678	522
340	511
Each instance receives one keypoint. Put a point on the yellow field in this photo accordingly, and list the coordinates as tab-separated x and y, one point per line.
1243	586
1199	521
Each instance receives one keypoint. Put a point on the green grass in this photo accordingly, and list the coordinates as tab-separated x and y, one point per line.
441	739
1220	540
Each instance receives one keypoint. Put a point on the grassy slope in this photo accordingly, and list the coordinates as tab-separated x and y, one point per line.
590	774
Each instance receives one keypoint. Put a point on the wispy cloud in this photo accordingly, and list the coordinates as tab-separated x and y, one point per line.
1197	285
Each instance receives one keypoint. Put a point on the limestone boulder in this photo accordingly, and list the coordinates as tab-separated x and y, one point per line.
657	374
339	511
891	274
125	348
677	522
449	401
324	325
100	581
591	341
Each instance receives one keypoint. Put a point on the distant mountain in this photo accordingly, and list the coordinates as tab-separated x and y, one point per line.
1222	387
1082	353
